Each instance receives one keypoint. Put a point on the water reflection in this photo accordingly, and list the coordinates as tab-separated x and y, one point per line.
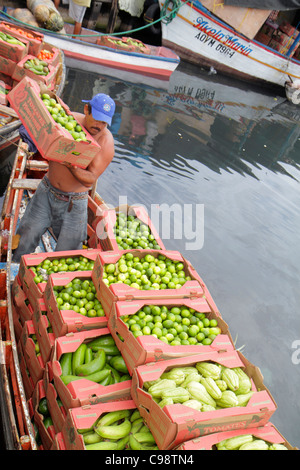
199	118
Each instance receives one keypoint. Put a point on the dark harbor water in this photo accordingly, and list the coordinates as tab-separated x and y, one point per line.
217	166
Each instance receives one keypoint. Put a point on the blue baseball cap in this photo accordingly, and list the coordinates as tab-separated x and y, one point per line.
103	107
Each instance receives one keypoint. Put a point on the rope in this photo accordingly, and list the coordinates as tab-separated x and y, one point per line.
164	16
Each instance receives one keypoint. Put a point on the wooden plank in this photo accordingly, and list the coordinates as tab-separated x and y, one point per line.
37	165
8	111
25	183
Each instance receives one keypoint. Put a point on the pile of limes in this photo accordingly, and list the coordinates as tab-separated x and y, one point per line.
79	295
132	233
147	273
56	265
175	326
67	121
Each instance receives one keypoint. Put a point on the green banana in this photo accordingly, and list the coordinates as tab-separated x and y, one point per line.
112	417
103	445
135	415
137	425
144	437
91	438
134	444
116	431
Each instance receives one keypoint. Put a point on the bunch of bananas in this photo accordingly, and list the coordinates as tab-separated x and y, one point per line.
119	430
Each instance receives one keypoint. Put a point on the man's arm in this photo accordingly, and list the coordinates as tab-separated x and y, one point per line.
88	177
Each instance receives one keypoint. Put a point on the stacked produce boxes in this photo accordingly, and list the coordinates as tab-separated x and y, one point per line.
24	53
132	352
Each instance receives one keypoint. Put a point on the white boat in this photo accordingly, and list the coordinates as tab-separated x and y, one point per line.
200	35
159	62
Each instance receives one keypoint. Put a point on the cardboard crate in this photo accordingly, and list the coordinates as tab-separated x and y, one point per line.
109	295
104	226
46	434
26	275
6	88
16	321
34	362
21	301
34	43
7	66
53	141
55	60
68	321
14	52
20	72
57	411
26	377
124	44
85	417
82	392
42	326
143	349
174	424
58	442
268	433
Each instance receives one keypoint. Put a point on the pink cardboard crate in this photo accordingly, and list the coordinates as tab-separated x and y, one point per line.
47	434
67	321
14	52
42	326
7	66
141	350
16	321
268	433
23	306
4	88
26	377
82	392
104	227
174	424
85	417
54	61
58	412
34	362
20	72
53	141
58	442
109	295
26	275
34	44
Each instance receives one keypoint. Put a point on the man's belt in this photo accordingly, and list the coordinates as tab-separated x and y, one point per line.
65	197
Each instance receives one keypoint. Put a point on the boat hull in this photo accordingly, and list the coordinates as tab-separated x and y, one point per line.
161	63
207	41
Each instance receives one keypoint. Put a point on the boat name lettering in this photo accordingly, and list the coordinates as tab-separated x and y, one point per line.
223	38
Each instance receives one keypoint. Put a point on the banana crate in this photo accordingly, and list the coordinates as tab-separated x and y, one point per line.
20	71
96	383
144	347
35	39
63	318
79	428
191	285
178	398
261	438
57	410
53	141
12	50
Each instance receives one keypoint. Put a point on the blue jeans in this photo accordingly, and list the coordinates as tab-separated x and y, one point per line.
46	210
